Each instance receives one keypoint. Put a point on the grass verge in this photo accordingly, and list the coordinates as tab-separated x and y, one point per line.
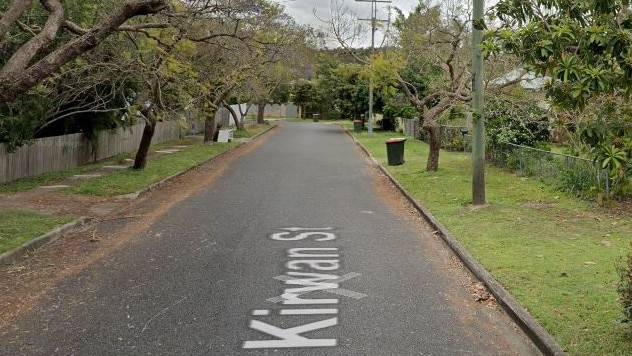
555	254
130	180
18	227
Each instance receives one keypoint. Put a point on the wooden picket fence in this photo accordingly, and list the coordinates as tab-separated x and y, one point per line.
69	151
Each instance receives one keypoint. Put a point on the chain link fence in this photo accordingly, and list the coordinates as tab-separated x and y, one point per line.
573	174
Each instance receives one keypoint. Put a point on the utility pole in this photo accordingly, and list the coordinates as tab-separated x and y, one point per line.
478	132
374	22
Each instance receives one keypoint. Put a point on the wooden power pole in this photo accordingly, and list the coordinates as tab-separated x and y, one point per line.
478	132
374	22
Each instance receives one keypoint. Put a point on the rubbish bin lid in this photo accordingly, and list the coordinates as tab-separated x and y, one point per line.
395	140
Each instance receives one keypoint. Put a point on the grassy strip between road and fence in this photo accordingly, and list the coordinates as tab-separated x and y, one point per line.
18	227
554	253
131	180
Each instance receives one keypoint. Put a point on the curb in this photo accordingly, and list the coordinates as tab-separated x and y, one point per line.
16	254
155	185
529	325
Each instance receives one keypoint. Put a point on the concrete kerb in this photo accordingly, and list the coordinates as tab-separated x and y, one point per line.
16	254
171	177
538	335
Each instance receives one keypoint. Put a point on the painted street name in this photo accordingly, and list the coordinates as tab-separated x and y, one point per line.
309	270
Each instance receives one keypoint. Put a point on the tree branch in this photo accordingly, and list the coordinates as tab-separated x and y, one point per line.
14	12
23	56
16	79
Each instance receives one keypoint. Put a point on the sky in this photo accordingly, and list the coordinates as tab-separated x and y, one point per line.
303	11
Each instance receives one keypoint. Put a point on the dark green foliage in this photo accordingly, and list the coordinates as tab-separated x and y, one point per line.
582	45
520	122
20	119
14	131
341	92
86	95
421	73
578	178
605	129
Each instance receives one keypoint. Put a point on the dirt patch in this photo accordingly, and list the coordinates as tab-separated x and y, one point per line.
43	200
120	221
538	205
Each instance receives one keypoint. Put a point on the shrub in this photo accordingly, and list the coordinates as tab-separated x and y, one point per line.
516	121
577	178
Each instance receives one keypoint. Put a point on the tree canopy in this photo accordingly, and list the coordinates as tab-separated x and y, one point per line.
584	46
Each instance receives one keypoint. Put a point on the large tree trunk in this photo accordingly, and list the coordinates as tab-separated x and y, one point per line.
20	73
435	146
148	134
210	127
238	123
261	109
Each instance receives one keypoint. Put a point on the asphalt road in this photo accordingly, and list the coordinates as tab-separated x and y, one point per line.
293	251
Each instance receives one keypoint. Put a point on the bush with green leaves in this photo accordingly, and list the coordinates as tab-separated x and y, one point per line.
516	120
578	177
604	127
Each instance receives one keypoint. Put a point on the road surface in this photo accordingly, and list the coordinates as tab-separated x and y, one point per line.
299	248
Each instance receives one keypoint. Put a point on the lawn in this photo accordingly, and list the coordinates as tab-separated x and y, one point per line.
131	180
554	253
18	227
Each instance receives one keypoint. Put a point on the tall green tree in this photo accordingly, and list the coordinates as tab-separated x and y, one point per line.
585	48
302	95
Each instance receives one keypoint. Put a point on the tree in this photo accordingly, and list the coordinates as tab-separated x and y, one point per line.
436	75
430	62
302	95
165	73
345	90
585	48
55	70
42	54
239	49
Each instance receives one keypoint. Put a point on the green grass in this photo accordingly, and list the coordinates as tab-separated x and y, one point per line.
554	253
53	177
130	180
18	227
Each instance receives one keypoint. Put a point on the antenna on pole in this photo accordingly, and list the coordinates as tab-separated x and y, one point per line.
374	22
